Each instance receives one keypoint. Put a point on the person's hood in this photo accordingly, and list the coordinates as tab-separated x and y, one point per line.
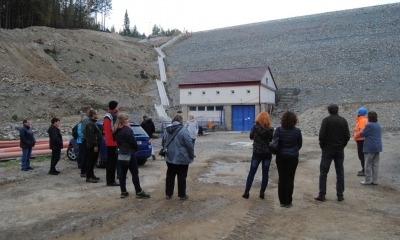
174	127
263	132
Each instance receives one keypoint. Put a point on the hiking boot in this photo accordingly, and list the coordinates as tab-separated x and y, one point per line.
57	171
340	198
142	194
24	169
320	198
246	195
91	180
262	195
124	194
184	197
53	172
168	197
29	168
289	206
96	178
153	156
365	183
361	174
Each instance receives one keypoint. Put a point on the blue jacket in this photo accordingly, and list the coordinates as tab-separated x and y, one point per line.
80	133
290	141
373	138
27	140
180	151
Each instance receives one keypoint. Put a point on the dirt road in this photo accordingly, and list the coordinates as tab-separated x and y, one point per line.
35	205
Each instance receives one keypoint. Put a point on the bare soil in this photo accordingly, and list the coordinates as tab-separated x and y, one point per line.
35	205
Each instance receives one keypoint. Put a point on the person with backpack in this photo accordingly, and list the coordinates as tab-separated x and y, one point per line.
81	140
108	123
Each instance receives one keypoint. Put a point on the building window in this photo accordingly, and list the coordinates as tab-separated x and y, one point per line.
210	108
266	81
247	91
232	91
219	108
192	108
201	108
189	93
217	92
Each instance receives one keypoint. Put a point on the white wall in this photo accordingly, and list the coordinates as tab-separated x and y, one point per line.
270	82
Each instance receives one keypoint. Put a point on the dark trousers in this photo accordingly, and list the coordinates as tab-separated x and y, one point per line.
55	157
83	155
91	161
133	168
111	164
286	169
326	159
172	171
360	146
256	159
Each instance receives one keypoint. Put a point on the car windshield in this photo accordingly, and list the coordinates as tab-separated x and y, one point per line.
138	130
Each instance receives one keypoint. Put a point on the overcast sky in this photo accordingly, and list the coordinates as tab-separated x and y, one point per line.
199	15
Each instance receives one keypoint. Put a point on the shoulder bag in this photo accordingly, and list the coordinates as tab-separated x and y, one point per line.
163	150
274	144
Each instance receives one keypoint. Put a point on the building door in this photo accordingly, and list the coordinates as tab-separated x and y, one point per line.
242	117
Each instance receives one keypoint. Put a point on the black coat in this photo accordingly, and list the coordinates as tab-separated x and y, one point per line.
262	137
148	127
290	141
26	138
56	141
334	133
93	134
125	140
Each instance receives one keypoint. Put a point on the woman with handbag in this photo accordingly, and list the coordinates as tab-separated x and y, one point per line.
287	157
127	146
261	133
179	154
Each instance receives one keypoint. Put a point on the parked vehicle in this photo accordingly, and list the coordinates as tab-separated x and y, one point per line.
142	139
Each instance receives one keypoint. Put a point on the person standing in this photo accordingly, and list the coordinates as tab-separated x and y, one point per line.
287	157
372	147
127	146
179	155
26	142
334	135
108	123
361	121
148	126
82	147
192	127
93	141
261	133
56	144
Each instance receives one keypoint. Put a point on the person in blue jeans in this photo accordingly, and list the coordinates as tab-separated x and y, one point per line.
287	157
27	142
261	133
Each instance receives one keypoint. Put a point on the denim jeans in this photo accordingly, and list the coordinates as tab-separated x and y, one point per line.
172	171
26	155
326	159
133	168
256	159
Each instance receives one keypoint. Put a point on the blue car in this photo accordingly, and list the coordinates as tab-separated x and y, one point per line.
142	139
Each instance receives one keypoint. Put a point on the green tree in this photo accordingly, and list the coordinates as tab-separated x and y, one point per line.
134	32
126	31
156	30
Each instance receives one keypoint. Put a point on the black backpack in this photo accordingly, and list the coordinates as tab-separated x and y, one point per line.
75	132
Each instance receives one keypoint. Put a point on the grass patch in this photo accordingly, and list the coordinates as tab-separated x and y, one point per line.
16	162
14	117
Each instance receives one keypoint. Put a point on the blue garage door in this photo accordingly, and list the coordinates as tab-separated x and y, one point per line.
242	117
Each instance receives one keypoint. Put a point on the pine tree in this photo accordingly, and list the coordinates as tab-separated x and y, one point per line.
126	31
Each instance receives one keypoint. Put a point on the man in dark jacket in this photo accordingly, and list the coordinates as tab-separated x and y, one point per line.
56	144
333	137
93	141
148	126
27	142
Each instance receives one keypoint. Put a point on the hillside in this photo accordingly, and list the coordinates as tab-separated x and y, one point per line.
49	72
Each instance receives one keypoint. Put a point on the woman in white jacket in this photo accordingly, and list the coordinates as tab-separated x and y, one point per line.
192	127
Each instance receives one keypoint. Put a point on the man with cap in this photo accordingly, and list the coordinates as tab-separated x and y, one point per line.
361	121
108	123
333	137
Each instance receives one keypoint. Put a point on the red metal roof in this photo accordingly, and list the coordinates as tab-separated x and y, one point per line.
225	75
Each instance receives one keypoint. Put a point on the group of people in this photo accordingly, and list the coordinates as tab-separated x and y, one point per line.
179	139
333	137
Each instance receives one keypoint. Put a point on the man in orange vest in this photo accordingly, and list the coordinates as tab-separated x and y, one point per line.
361	121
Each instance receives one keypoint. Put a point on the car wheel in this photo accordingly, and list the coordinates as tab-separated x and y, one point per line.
141	161
71	153
101	162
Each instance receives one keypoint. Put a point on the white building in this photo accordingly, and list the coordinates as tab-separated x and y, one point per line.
230	97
